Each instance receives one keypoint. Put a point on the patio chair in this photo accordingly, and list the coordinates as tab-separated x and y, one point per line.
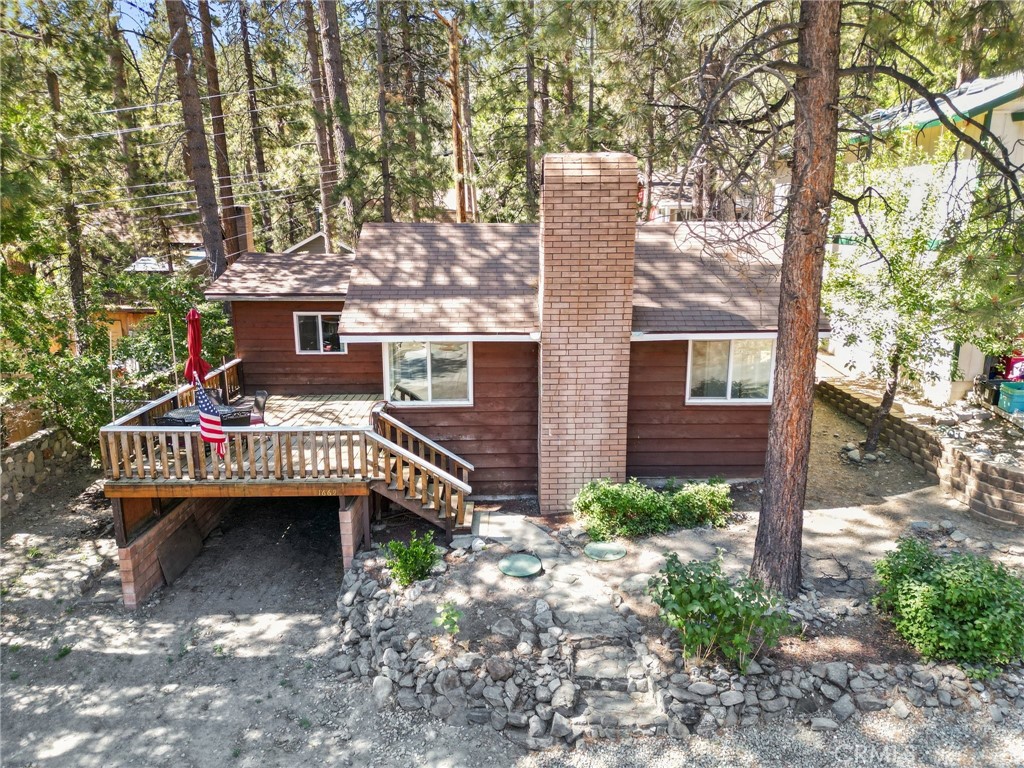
215	395
236	419
259	407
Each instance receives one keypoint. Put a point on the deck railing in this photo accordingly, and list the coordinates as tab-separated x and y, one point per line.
227	379
418	479
146	453
420	445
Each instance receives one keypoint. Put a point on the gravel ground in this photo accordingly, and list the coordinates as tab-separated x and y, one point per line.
877	741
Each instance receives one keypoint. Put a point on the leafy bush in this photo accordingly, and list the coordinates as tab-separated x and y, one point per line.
413	561
961	608
633	509
713	614
696	504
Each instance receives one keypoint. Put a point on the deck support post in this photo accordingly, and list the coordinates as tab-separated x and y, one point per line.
354	522
120	535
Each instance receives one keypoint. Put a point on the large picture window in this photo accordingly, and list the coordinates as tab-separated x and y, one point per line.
731	371
429	372
317	334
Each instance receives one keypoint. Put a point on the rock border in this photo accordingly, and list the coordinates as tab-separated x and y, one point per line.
563	681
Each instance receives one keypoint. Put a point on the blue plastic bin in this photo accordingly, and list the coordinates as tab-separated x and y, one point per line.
1011	396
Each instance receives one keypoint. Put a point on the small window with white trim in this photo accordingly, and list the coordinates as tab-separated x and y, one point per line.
436	372
730	371
317	334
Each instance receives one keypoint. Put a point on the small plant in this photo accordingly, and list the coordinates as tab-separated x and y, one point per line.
236	752
713	614
15	675
633	509
413	561
34	553
64	651
218	650
961	608
305	723
448	617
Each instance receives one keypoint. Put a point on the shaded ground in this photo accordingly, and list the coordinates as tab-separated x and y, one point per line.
231	665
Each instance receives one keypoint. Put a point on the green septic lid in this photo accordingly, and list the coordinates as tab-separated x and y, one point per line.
604	550
520	566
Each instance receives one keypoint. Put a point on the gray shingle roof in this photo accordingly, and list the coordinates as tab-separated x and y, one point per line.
443	278
294	276
705	278
423	279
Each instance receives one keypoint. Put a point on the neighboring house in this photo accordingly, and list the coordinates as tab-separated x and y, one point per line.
316	243
998	105
513	359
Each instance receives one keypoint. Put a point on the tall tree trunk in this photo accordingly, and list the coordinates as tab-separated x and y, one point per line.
545	103
220	137
195	136
454	86
888	397
328	174
776	561
255	127
971	47
382	112
590	85
341	112
72	224
119	82
649	148
568	86
532	182
409	99
467	142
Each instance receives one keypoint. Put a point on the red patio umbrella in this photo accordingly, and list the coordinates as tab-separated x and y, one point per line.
195	365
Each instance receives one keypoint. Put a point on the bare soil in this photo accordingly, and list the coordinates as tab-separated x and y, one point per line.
231	664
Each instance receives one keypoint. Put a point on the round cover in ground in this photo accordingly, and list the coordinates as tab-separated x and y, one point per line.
604	550
520	566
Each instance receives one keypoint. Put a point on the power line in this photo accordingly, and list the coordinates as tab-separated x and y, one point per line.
136	107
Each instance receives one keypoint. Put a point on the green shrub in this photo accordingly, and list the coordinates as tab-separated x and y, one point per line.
696	504
961	608
713	614
633	509
413	561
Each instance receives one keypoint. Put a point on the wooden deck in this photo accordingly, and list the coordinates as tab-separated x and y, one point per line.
309	445
320	410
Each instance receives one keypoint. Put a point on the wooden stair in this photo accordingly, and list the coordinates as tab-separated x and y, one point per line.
419	475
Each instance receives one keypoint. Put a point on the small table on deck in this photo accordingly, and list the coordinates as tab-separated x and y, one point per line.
189	415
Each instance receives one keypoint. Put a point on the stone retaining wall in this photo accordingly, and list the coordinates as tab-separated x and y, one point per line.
994	493
28	463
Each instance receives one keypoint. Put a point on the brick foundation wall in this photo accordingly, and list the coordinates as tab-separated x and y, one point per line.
354	520
140	568
994	493
588	229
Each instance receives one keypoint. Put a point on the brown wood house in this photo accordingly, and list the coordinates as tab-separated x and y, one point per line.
506	359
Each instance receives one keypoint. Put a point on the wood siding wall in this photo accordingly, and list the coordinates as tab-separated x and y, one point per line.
498	434
668	438
265	340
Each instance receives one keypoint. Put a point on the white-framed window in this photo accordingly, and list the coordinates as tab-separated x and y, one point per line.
429	372
316	333
736	371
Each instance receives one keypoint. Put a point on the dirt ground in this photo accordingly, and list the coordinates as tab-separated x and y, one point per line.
231	665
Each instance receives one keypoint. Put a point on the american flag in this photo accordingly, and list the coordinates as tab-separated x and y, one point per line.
211	429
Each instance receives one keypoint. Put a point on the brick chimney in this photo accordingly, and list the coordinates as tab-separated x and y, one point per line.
588	228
